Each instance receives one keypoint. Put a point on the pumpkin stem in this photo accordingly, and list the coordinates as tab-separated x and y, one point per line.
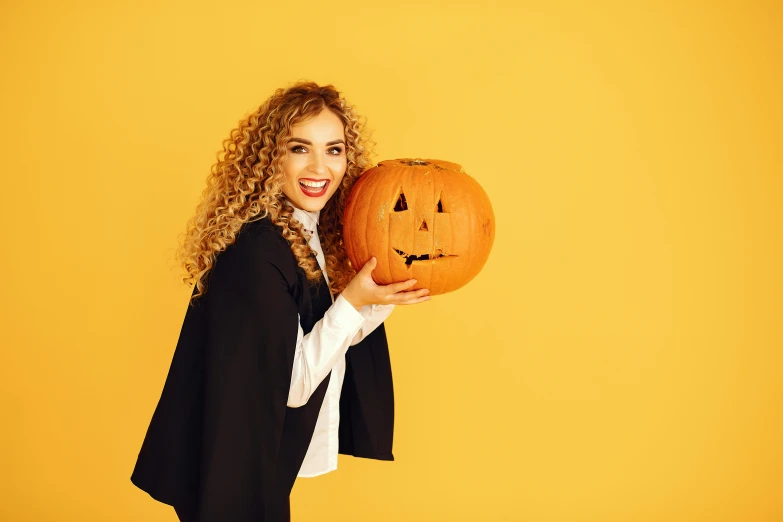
412	163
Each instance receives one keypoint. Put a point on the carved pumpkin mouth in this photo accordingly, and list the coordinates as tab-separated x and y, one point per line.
410	258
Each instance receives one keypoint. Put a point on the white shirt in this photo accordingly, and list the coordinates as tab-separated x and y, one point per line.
323	351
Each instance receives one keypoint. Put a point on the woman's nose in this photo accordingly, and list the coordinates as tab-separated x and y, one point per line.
317	164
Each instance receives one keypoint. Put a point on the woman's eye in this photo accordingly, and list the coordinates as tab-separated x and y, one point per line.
336	151
298	148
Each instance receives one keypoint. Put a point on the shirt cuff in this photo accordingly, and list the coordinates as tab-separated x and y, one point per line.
345	315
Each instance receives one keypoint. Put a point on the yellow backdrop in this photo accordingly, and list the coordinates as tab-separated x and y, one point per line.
618	358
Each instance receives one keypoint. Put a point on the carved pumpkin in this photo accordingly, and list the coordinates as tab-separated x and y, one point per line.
423	219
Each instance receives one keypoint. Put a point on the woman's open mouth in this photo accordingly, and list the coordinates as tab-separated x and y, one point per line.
314	188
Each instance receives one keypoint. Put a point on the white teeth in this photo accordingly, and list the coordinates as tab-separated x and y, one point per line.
313	184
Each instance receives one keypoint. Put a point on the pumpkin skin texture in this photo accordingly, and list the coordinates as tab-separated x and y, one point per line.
424	219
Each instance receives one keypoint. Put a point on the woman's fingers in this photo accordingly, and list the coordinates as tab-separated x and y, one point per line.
417	300
412	297
369	266
398	287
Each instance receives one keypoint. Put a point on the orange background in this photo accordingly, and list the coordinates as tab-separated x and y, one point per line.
618	358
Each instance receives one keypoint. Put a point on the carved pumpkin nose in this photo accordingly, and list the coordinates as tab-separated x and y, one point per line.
423	226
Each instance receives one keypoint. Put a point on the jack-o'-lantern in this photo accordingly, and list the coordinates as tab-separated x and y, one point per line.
420	218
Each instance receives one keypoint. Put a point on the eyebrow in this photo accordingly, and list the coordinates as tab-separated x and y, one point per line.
308	142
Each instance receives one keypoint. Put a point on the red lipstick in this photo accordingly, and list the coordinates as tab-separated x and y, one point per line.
314	192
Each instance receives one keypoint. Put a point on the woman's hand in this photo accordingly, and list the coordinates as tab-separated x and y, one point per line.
362	290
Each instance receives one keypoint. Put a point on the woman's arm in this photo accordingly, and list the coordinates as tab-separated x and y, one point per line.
318	351
370	303
373	315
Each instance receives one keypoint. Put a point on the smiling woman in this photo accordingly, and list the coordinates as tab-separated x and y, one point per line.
283	362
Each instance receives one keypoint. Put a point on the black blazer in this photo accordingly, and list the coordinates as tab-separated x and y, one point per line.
222	444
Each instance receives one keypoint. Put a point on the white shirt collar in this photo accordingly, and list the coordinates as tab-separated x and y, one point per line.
308	219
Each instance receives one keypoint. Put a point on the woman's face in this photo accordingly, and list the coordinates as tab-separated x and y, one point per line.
315	161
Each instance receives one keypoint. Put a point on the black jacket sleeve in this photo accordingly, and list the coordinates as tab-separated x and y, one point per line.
213	442
250	351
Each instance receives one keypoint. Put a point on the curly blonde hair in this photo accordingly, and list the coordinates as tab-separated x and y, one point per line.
246	182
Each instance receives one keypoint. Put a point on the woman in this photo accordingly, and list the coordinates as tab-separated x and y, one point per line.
282	358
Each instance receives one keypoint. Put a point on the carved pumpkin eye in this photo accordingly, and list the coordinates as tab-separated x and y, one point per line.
440	204
401	203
